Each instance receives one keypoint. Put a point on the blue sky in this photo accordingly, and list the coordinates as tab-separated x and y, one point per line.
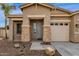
69	6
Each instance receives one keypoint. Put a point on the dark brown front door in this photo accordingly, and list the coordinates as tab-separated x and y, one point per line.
36	29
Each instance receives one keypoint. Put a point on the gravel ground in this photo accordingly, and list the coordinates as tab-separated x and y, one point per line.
40	53
8	49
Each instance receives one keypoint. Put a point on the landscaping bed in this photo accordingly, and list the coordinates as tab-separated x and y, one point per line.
8	49
39	53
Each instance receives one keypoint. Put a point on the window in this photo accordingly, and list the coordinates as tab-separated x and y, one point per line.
77	27
61	23
34	27
56	23
52	23
18	28
66	24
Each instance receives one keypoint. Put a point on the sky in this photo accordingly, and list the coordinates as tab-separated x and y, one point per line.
69	6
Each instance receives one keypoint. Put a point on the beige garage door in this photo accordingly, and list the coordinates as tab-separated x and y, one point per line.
60	31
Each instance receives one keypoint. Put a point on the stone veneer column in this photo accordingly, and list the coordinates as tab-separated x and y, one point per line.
46	30
25	30
10	30
46	34
25	33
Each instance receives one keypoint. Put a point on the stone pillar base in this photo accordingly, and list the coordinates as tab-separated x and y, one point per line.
76	38
46	34
25	34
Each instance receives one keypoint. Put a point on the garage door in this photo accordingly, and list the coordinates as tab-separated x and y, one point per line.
60	31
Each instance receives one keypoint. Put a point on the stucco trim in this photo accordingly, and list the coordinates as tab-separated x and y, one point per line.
46	25
36	16
26	5
15	16
33	16
25	25
60	15
60	20
16	19
76	32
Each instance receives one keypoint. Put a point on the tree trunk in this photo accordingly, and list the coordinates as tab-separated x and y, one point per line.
5	28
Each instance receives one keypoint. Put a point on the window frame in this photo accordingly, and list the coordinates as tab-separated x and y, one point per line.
18	28
76	28
18	22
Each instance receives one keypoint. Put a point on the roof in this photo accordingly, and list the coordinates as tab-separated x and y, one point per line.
20	16
76	12
43	4
46	5
29	4
14	16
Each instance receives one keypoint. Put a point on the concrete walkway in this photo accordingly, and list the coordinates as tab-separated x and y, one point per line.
64	48
36	45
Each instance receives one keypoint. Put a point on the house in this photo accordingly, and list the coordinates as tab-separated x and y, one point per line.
44	22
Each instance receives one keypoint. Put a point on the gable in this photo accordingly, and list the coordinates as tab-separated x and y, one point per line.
59	12
45	5
36	9
30	4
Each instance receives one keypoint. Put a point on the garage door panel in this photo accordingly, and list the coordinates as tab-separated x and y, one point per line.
60	32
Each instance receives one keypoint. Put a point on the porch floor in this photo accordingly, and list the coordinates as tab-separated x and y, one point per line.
36	45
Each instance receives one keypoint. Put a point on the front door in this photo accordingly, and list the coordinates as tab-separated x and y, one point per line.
36	30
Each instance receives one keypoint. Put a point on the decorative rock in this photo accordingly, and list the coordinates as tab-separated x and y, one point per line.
21	52
16	45
50	51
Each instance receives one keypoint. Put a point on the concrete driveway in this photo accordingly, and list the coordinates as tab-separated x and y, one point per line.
64	48
67	48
